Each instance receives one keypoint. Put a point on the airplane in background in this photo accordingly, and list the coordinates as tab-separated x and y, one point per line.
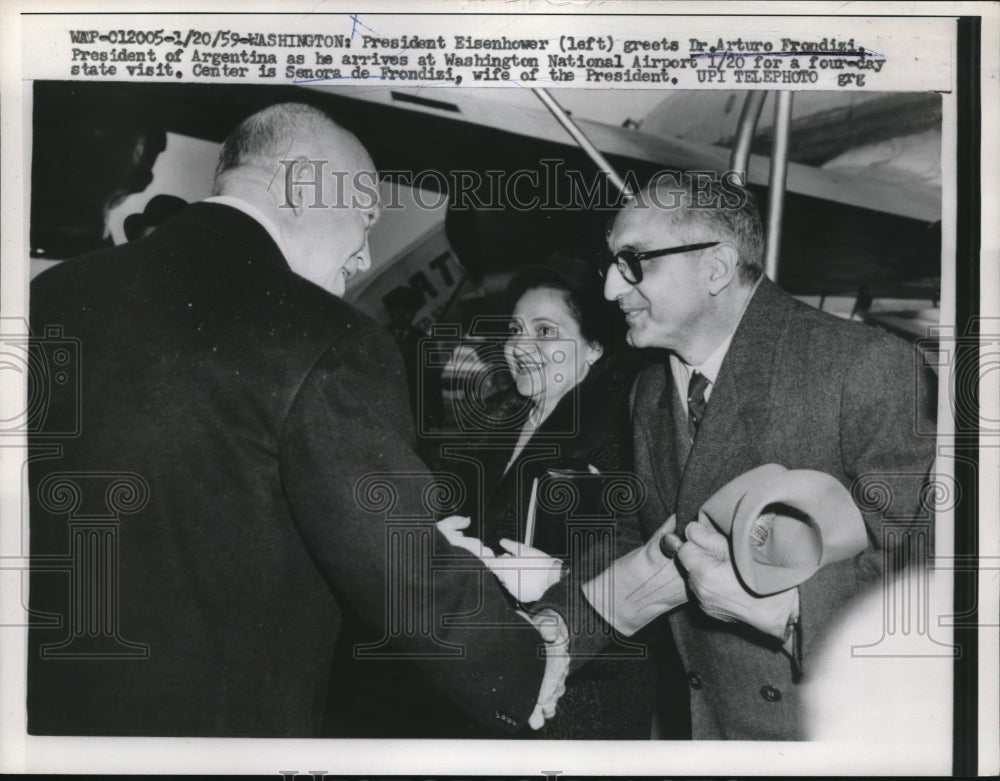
862	194
857	230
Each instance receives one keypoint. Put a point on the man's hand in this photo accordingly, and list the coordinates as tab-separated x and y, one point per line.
639	586
552	628
713	581
524	571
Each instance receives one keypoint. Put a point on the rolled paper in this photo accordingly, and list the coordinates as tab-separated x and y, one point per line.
529	523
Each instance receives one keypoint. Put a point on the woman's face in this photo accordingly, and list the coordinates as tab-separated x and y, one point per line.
546	353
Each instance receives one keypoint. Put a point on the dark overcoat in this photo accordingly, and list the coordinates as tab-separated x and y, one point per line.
804	389
610	698
260	430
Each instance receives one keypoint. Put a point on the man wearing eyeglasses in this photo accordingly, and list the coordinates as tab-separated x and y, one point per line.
753	377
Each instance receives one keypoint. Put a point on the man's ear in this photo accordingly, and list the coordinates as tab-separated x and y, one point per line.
723	265
294	173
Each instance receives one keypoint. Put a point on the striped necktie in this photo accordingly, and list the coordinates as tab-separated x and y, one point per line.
696	402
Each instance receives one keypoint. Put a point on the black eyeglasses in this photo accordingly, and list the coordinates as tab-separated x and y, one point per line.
629	262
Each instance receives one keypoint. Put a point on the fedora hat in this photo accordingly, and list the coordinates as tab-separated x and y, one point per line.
784	524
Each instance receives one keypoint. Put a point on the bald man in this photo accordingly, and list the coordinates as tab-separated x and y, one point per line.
243	476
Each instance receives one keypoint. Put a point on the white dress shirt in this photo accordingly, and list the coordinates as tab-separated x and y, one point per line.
709	369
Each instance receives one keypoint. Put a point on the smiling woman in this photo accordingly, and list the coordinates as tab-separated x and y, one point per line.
546	353
564	420
565	354
571	375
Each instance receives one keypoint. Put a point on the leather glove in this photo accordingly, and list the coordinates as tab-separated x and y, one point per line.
639	586
713	581
525	572
552	628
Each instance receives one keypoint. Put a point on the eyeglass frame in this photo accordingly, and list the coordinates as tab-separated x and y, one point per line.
628	261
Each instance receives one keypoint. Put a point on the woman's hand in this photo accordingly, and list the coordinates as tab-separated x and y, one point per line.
451	527
525	572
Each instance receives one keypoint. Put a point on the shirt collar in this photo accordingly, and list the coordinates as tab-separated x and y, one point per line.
709	369
255	214
710	366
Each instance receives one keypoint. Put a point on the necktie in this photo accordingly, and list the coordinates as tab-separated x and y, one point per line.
696	402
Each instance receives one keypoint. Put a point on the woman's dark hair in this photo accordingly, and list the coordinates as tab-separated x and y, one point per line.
582	289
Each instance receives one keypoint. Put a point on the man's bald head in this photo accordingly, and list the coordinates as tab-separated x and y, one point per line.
314	180
287	131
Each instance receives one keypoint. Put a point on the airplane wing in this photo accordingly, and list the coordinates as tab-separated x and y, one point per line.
518	111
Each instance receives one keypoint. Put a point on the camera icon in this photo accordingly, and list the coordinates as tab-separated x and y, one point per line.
472	378
972	362
492	382
50	364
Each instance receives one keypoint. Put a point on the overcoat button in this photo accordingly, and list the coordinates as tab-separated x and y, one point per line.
695	681
770	694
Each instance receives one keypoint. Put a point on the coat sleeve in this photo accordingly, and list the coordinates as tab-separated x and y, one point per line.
887	447
612	454
590	635
365	507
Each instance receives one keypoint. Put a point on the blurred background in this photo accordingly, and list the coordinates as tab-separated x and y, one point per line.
860	234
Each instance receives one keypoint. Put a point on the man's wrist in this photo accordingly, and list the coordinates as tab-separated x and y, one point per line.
793	616
637	588
552	627
791	643
782	610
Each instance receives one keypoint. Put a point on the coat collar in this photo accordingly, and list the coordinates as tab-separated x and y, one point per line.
233	224
564	425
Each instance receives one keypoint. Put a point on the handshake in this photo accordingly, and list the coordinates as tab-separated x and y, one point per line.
755	541
526	573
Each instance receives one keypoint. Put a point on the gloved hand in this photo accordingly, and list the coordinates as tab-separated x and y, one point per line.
451	527
712	578
552	628
525	572
639	586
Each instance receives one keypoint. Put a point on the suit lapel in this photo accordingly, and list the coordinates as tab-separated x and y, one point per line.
739	407
662	430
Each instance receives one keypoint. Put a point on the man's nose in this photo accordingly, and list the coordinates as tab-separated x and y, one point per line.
615	285
364	257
